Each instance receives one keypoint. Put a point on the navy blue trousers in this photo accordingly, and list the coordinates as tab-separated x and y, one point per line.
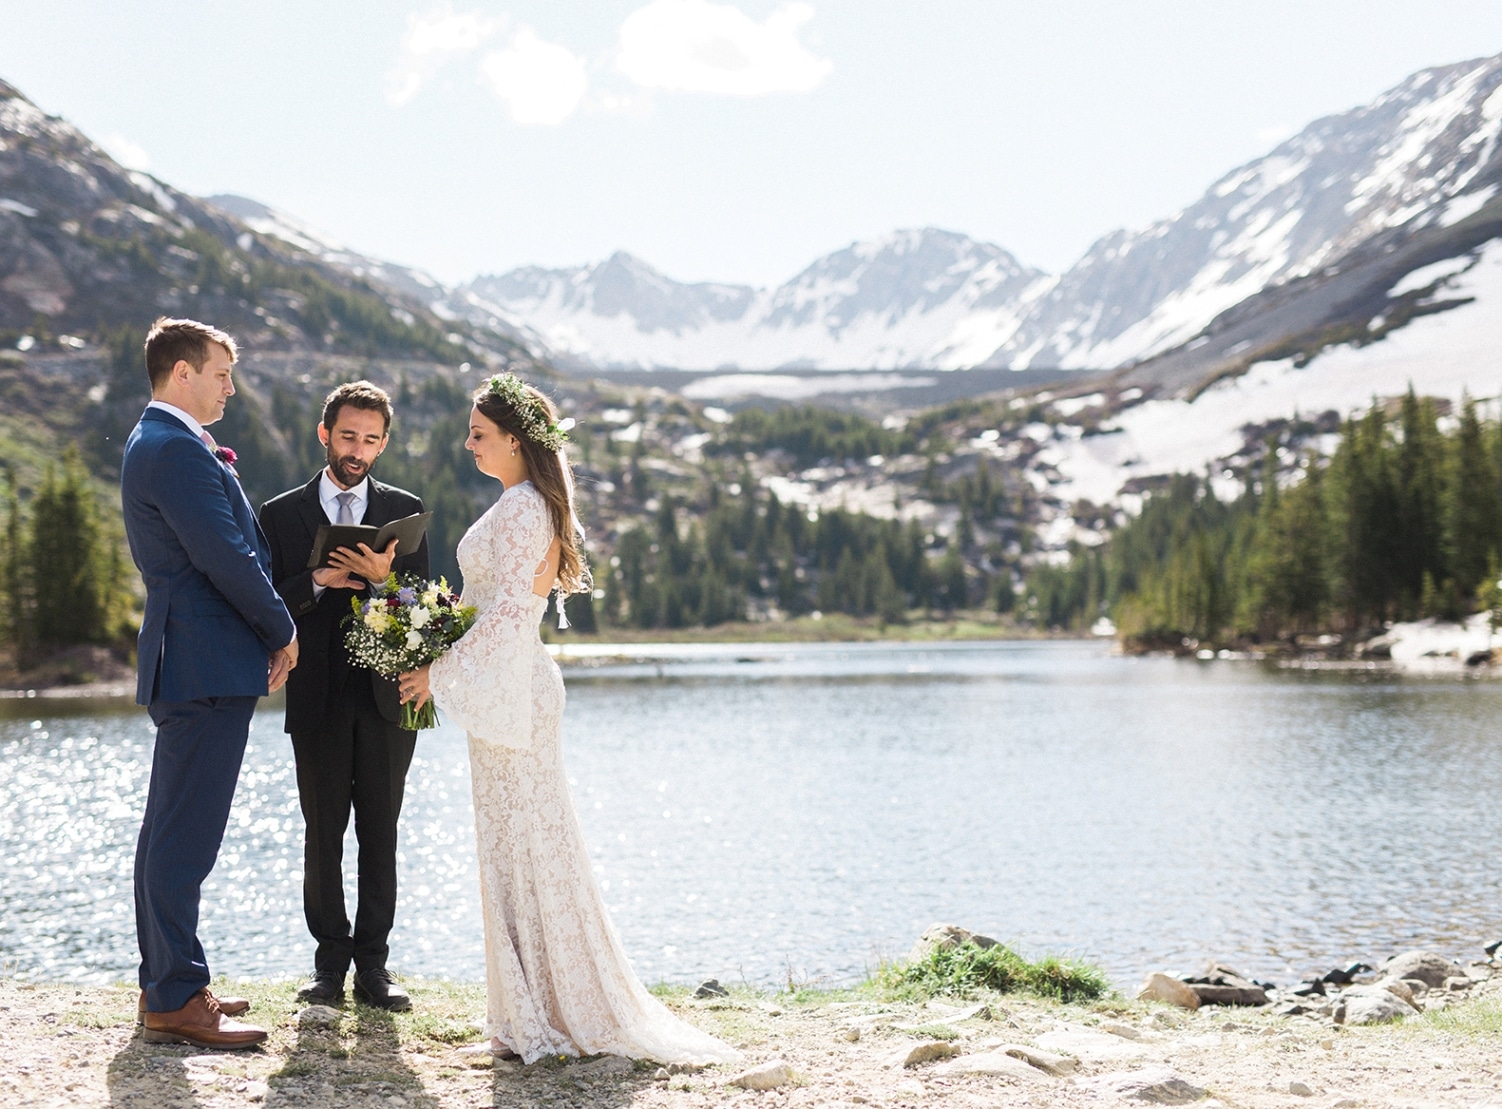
194	769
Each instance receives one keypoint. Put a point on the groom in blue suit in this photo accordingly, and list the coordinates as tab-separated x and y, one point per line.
214	638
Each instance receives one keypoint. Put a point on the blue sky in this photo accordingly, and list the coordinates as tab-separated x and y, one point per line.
718	141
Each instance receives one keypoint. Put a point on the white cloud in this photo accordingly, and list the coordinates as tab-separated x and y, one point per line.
431	41
698	46
542	83
131	155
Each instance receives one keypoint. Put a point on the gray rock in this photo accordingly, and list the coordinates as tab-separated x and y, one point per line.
1371	1005
711	987
929	1052
1459	982
768	1076
1161	987
945	937
1299	1089
1400	987
1428	967
319	1016
1056	1065
1218	984
996	1064
1154	1085
1090	1044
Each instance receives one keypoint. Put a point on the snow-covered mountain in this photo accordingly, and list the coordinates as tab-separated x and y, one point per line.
1422	156
913	298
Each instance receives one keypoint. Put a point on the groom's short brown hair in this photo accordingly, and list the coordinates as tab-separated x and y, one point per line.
172	341
357	394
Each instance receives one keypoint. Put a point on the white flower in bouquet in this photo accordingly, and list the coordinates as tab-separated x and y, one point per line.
403	626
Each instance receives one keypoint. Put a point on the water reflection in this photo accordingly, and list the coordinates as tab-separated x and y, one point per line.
758	810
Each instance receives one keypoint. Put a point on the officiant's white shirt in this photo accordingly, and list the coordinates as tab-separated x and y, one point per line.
328	496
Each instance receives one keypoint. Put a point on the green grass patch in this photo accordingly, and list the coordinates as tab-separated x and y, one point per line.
1480	1019
962	970
935	1032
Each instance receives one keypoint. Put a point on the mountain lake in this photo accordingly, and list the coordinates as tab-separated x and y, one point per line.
771	812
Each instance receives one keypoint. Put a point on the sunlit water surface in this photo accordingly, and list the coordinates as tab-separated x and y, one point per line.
757	812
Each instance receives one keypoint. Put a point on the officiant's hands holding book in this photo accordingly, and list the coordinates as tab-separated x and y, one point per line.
348	566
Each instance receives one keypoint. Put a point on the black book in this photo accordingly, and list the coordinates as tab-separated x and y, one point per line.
407	532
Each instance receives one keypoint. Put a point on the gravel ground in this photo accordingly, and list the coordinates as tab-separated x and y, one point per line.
67	1046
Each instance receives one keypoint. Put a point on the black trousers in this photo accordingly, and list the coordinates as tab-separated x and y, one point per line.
357	761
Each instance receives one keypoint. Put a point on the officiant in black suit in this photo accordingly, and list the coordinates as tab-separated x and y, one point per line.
342	717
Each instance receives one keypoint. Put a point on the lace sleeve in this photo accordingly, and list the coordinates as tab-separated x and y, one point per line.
484	682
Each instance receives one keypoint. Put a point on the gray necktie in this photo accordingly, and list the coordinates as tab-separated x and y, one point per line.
346	514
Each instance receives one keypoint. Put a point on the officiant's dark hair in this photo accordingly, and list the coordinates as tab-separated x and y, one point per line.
551	474
172	341
357	394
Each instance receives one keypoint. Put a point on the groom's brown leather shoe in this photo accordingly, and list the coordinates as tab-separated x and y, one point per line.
229	1006
201	1023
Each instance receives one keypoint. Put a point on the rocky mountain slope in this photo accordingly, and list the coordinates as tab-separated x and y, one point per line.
87	246
1403	176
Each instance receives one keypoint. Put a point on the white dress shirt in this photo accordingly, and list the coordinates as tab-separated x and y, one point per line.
328	496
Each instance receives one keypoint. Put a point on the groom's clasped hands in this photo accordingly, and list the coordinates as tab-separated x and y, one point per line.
280	668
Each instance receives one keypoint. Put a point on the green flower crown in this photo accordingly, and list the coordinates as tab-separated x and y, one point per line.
530	413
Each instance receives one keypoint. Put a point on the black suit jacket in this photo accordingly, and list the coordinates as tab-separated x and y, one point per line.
290	522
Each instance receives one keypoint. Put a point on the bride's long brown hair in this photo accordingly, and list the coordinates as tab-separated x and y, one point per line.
551	474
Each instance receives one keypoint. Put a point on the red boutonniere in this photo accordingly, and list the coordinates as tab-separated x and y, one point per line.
225	455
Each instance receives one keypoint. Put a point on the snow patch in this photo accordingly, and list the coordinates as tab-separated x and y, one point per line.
1445	355
1425	276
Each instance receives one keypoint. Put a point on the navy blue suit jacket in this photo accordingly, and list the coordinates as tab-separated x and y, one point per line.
212	616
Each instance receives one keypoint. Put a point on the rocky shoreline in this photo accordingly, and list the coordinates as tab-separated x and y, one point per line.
1420	1031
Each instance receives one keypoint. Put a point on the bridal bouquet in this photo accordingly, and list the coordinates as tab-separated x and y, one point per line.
405	624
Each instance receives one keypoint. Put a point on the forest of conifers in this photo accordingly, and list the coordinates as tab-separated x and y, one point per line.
1404	520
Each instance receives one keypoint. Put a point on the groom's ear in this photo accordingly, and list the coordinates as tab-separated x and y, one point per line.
323	434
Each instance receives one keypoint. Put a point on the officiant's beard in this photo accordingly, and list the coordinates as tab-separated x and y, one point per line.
348	471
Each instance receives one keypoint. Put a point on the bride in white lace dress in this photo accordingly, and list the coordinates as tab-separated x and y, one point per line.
558	981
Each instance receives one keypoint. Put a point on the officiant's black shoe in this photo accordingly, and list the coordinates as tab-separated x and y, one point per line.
324	986
375	986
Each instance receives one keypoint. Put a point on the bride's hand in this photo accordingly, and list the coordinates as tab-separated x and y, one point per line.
414	687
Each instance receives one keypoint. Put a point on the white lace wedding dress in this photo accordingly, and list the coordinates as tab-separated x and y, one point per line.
557	978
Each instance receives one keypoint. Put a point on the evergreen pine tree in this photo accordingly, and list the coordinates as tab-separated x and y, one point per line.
1473	516
1417	532
15	619
68	564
